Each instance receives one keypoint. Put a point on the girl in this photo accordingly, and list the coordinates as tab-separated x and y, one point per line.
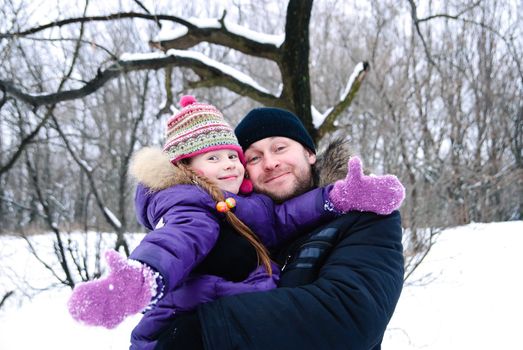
199	247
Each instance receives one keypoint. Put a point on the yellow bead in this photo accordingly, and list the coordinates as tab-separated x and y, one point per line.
231	203
222	207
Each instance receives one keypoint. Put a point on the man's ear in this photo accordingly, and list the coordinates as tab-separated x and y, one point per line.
311	157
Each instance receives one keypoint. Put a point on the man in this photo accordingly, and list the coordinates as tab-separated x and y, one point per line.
339	284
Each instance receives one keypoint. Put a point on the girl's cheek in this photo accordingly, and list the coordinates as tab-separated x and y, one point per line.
198	171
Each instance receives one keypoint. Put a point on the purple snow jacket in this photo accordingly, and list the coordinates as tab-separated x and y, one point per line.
185	226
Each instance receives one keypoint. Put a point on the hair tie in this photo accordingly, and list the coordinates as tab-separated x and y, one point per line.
225	206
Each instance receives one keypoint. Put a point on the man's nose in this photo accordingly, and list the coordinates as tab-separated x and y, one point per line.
270	162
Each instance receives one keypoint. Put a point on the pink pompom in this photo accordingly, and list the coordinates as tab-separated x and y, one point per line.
187	100
246	186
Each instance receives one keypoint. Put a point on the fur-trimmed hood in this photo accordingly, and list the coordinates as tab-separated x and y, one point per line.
331	164
151	167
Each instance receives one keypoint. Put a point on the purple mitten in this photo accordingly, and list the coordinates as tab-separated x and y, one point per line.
127	290
378	194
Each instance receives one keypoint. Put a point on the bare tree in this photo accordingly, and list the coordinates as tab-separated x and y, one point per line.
291	56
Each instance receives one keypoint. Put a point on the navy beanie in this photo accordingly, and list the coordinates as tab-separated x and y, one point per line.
269	122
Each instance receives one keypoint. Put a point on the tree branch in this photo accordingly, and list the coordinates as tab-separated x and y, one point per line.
86	42
88	172
220	36
224	36
353	86
445	15
60	250
201	66
5	297
24	142
106	18
457	17
415	21
233	37
169	98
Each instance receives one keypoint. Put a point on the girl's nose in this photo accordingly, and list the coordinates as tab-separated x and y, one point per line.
229	164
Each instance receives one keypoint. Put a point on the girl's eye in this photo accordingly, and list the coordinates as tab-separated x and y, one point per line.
233	156
212	158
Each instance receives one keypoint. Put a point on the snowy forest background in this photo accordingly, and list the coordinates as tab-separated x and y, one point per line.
428	90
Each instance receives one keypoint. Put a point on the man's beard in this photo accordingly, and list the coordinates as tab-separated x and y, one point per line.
303	183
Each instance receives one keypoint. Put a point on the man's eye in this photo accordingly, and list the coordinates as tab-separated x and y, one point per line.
253	160
280	148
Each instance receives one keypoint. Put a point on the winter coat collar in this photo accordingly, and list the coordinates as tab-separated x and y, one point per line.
152	168
331	164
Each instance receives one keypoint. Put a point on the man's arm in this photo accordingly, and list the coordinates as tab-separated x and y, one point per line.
348	305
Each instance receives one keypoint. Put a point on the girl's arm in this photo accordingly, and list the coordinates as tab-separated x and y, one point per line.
277	223
183	235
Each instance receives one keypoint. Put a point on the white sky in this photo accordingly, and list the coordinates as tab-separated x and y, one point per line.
473	299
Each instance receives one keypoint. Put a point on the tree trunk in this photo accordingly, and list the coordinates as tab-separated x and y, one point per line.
295	62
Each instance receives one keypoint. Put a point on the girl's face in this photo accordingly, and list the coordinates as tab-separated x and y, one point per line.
221	167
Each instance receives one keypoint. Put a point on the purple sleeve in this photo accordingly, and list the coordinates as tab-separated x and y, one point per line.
276	223
185	233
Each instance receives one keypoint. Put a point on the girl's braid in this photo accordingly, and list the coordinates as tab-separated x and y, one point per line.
240	227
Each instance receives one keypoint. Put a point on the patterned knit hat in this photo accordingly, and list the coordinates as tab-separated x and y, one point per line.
196	129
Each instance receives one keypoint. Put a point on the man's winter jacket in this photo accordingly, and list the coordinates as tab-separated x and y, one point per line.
340	289
339	286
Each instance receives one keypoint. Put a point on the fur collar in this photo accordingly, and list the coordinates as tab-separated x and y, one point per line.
331	164
151	167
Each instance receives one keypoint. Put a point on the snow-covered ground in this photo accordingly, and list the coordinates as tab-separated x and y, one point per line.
475	299
471	298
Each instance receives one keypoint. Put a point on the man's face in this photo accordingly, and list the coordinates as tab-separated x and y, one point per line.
280	167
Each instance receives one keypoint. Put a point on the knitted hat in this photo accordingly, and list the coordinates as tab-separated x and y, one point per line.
196	129
199	128
269	122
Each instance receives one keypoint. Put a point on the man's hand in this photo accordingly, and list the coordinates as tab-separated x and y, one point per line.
378	194
127	290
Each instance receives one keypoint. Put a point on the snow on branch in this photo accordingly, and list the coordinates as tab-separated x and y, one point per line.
219	32
114	220
262	38
203	66
205	24
210	70
356	74
223	68
326	122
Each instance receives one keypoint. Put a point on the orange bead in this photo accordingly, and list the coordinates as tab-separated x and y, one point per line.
231	203
222	207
